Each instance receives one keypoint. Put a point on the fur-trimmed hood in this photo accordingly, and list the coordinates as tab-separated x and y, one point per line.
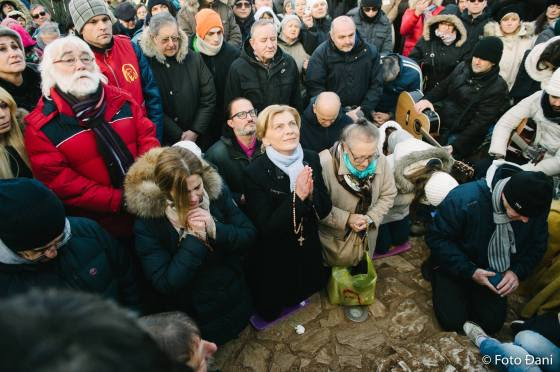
20	6
382	136
526	30
431	24
418	158
150	49
412	3
533	57
145	199
193	6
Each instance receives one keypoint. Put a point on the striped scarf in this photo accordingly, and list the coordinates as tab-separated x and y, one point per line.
502	242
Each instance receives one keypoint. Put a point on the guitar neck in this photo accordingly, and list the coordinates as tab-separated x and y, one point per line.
429	138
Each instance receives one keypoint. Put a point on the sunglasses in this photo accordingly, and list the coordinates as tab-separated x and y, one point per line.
243	5
40	14
368	9
479	1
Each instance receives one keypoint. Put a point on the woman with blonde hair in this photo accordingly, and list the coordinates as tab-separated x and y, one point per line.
191	238
13	157
286	198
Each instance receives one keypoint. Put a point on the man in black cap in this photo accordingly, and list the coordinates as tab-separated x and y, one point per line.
373	25
470	99
127	24
41	247
485	238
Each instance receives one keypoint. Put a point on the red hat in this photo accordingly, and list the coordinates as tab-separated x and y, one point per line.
206	20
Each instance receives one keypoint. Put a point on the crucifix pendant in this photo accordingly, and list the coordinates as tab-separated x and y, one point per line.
300	240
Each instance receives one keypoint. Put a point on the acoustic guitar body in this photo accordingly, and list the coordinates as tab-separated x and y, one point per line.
413	122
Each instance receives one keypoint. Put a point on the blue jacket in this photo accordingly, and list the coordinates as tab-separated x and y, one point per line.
463	226
408	80
151	92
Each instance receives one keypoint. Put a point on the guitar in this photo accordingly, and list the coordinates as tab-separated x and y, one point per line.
520	146
425	126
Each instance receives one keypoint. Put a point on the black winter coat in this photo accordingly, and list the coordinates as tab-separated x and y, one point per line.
187	91
436	59
468	105
281	272
277	83
463	225
318	138
27	94
356	76
312	37
219	66
230	160
524	85
91	261
208	284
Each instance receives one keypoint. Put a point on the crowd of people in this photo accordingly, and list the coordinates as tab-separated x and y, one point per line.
201	161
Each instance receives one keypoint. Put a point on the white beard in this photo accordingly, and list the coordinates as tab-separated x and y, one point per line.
76	86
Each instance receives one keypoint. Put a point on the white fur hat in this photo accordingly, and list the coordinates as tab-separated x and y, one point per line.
438	186
532	59
191	146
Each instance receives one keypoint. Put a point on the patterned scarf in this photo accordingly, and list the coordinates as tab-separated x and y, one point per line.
447	39
113	150
502	242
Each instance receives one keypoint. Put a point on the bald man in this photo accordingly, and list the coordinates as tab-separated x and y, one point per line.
348	66
322	122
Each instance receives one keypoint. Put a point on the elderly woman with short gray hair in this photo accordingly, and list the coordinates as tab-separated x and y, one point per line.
362	190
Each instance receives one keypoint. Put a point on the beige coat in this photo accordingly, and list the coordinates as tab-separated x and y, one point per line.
333	228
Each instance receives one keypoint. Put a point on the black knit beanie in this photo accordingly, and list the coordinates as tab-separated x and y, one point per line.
31	214
529	193
489	48
375	3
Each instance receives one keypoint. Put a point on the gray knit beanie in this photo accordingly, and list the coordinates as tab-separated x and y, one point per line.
288	18
82	11
4	31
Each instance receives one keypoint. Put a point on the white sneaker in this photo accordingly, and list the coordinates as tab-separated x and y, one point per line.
475	333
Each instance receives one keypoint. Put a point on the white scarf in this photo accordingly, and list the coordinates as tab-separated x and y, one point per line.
292	165
207	49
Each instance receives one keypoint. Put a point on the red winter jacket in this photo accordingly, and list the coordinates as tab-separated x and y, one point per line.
412	27
120	65
64	155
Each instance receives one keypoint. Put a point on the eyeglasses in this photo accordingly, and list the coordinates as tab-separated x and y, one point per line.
474	1
361	159
38	253
243	114
40	14
368	9
166	40
70	62
243	5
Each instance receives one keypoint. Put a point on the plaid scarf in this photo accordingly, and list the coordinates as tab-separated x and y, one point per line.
90	112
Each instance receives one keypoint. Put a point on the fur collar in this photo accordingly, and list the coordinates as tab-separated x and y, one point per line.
150	50
412	3
459	27
192	6
145	199
526	30
403	184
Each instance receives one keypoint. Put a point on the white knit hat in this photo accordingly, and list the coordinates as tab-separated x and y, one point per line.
438	186
191	146
552	87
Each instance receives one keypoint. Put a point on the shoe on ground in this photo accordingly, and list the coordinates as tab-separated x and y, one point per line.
474	332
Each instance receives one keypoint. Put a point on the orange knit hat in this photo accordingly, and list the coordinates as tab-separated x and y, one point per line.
206	20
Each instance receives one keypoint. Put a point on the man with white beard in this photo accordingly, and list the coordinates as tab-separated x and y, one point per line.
84	135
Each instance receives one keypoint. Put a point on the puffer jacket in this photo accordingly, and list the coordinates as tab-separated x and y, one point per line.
133	75
333	228
263	85
91	261
463	225
547	135
180	79
64	155
468	104
356	76
378	31
436	59
206	282
514	48
187	22
412	26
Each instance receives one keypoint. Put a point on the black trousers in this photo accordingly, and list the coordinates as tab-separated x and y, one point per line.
457	300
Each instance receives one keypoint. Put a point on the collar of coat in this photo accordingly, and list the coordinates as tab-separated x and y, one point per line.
248	54
150	50
235	150
359	48
431	24
145	199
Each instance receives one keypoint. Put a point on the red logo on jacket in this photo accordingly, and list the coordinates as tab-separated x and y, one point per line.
129	72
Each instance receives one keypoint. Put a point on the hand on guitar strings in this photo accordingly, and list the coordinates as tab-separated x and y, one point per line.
422	105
